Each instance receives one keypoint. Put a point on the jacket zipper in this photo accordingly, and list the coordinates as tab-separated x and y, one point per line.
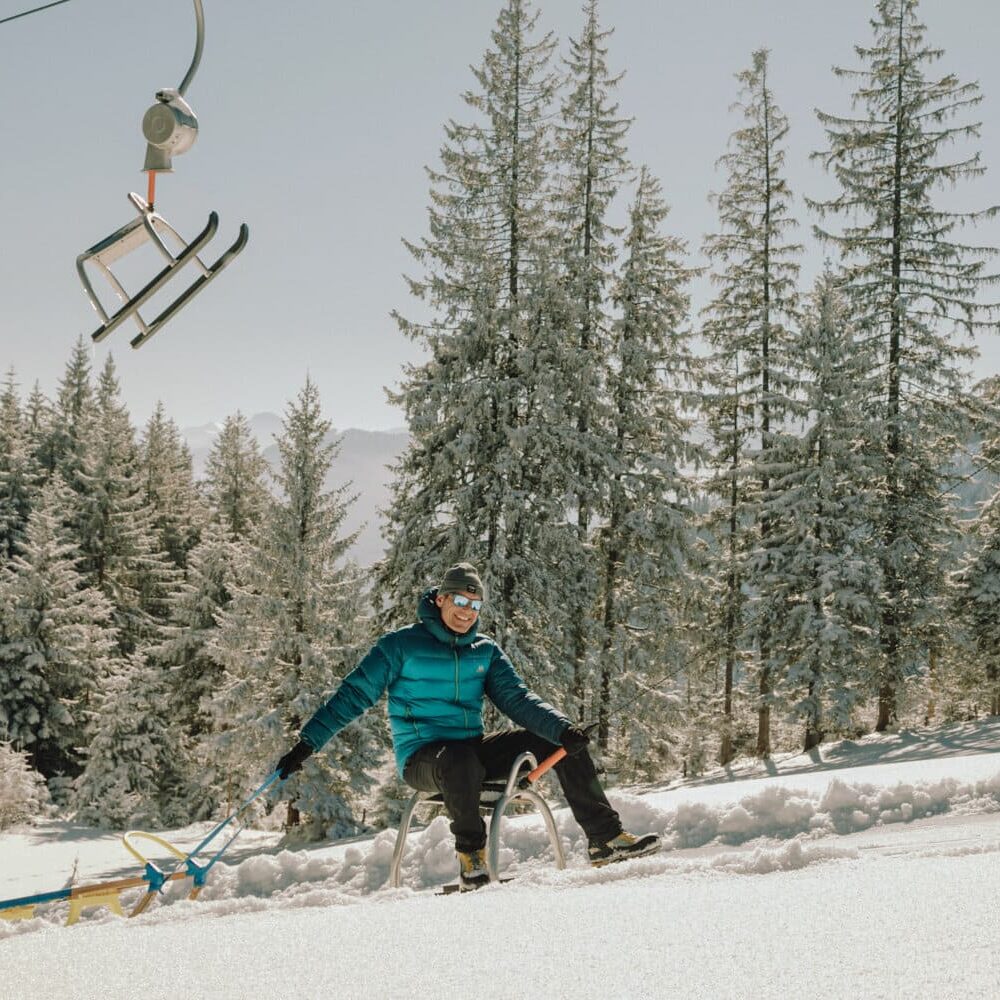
408	715
458	700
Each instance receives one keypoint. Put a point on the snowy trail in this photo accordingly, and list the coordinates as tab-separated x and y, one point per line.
879	926
878	878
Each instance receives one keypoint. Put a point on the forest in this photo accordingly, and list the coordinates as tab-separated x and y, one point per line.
714	532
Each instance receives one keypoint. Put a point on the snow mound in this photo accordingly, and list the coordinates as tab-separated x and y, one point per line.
784	826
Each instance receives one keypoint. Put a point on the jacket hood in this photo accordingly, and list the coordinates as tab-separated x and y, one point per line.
430	617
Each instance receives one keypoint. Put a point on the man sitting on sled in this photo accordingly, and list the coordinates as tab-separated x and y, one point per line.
437	672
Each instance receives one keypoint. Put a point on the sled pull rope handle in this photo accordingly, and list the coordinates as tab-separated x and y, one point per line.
546	765
550	762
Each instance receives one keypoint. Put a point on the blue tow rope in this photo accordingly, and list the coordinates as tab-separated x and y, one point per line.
200	872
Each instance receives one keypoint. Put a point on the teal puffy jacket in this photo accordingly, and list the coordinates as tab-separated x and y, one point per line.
436	682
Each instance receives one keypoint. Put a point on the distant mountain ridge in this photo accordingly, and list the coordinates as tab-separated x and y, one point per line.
366	455
363	463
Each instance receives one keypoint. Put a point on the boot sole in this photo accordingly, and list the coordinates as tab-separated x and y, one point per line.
625	856
452	887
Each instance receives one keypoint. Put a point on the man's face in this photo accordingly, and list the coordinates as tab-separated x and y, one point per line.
456	618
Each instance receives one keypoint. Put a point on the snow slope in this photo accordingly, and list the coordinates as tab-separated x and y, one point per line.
867	869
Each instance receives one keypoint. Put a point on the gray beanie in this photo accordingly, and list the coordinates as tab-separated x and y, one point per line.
462	578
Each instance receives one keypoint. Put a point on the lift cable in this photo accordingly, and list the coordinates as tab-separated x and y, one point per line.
25	13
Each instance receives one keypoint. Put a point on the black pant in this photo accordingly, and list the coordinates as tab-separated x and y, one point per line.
458	768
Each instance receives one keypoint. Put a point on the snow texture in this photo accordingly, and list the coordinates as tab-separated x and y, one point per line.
866	869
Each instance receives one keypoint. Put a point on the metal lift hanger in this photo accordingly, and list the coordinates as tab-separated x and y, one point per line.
170	128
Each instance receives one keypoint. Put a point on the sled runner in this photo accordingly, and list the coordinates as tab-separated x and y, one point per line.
170	128
153	879
494	797
151	227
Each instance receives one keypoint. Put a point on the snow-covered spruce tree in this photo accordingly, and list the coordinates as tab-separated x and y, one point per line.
134	772
975	585
65	435
728	527
114	522
19	473
56	643
39	415
236	495
748	327
293	628
695	737
468	486
169	487
821	583
591	166
911	288
235	478
644	541
192	674
23	795
977	601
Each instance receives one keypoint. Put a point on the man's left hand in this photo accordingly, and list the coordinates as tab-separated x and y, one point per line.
574	740
293	760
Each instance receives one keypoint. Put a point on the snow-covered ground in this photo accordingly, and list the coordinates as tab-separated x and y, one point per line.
863	870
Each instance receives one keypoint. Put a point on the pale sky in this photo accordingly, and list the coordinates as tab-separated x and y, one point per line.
317	118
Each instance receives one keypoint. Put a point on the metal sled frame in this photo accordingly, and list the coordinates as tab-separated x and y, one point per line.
151	227
494	797
153	878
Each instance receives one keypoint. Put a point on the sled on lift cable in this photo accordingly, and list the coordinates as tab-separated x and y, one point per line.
170	128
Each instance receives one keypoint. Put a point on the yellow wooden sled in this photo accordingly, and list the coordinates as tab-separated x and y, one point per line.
108	894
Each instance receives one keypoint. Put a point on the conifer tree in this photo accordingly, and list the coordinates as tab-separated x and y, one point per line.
911	286
169	487
18	470
975	585
23	795
120	553
592	164
39	417
293	628
74	413
56	641
237	499
822	583
195	609
235	478
134	772
749	328
467	488
645	540
977	600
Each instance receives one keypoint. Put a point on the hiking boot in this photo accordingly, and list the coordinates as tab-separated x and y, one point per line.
621	848
473	872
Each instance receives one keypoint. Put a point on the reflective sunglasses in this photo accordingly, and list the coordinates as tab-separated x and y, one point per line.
460	601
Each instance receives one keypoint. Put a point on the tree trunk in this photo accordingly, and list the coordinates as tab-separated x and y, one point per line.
814	733
932	679
886	707
893	586
726	752
610	584
764	713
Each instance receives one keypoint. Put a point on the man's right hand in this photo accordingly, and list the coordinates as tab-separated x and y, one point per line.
294	759
575	740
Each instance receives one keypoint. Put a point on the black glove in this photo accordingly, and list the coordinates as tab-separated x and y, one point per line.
575	740
294	759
